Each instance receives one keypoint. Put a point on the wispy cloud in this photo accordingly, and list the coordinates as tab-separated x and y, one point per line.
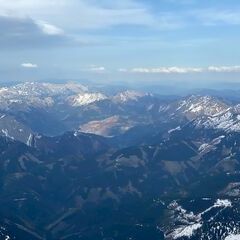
53	16
166	70
26	32
94	68
28	23
84	14
49	21
182	70
97	69
213	16
49	29
29	65
224	69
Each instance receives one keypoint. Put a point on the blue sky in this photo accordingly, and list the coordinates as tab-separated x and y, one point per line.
126	40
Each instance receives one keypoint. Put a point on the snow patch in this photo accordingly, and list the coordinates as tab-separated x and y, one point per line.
175	129
188	222
233	237
29	141
186	231
222	203
3	116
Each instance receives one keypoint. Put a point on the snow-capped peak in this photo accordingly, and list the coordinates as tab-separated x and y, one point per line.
202	105
128	95
86	98
49	89
209	112
34	94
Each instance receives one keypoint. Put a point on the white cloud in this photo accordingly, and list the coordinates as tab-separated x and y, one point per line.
94	68
97	69
122	70
167	70
182	70
80	14
49	29
29	65
223	69
28	33
92	14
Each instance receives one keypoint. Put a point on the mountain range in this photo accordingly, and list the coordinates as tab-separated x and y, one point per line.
77	163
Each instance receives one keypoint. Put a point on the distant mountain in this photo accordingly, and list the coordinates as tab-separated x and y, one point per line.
52	109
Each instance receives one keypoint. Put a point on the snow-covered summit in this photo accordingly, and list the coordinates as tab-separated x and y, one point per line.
207	112
34	94
128	95
86	98
228	121
46	89
202	105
